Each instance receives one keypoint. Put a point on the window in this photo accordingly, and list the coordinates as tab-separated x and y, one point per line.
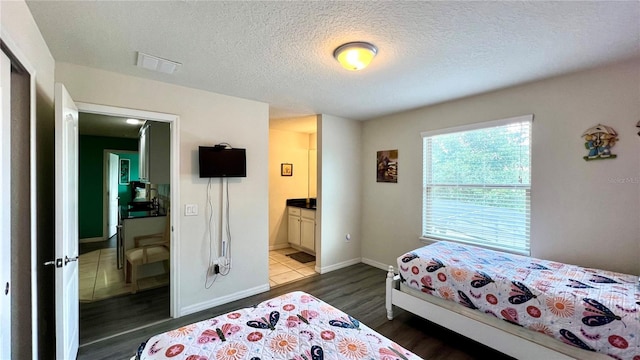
477	184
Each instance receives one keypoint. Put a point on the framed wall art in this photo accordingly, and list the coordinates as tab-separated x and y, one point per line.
387	166
286	169
599	140
124	171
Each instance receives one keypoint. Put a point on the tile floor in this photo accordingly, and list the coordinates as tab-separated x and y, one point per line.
100	278
283	269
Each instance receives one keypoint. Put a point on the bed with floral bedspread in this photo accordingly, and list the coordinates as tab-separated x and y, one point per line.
591	309
292	326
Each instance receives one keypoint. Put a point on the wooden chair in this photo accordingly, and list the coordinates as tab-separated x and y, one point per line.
149	249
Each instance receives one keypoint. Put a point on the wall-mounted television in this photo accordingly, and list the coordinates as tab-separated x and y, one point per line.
220	161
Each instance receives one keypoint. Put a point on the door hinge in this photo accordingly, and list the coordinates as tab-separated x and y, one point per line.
6	289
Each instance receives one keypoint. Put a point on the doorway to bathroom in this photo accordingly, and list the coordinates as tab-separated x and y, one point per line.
292	199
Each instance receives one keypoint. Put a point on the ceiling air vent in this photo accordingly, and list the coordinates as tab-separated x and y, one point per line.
155	63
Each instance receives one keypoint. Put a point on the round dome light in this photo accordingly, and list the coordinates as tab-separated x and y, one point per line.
355	55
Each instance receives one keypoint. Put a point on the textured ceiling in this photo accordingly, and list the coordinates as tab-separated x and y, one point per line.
103	125
281	52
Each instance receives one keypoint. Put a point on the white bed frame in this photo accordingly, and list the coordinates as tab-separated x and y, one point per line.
509	339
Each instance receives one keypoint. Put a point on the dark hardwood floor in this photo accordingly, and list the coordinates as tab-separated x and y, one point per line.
358	290
100	319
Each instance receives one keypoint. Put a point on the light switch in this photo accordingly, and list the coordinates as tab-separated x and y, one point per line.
191	209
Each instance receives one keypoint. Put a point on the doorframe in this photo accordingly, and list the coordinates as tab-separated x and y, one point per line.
5	205
173	120
17	53
105	187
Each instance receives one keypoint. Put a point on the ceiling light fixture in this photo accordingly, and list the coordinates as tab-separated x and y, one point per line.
355	55
133	121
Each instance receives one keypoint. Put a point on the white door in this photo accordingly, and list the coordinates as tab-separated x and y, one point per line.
5	208
112	191
66	186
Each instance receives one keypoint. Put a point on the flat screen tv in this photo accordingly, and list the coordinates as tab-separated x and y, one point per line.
218	161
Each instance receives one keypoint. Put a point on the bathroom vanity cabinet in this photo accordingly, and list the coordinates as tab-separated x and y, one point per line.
302	228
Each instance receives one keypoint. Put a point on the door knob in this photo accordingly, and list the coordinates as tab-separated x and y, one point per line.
56	262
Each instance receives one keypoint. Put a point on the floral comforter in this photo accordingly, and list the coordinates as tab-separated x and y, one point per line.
292	326
592	309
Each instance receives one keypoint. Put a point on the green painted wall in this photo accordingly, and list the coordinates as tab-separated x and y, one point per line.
91	179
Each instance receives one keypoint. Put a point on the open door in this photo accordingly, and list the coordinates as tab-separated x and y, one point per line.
66	187
112	192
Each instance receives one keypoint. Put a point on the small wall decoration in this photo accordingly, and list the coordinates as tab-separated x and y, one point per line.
286	169
124	171
599	140
387	166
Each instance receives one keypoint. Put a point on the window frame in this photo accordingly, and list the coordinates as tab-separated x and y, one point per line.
430	238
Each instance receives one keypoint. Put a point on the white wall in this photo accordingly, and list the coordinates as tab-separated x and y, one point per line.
339	192
313	165
205	119
285	147
21	33
580	213
20	27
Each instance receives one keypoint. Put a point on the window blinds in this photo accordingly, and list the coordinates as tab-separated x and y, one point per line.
477	184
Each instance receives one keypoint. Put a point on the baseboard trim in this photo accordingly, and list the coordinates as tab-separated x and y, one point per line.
91	240
187	310
278	246
376	264
340	265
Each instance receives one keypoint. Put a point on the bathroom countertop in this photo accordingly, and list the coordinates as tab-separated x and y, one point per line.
302	203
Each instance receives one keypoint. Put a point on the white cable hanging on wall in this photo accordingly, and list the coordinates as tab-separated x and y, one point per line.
219	237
